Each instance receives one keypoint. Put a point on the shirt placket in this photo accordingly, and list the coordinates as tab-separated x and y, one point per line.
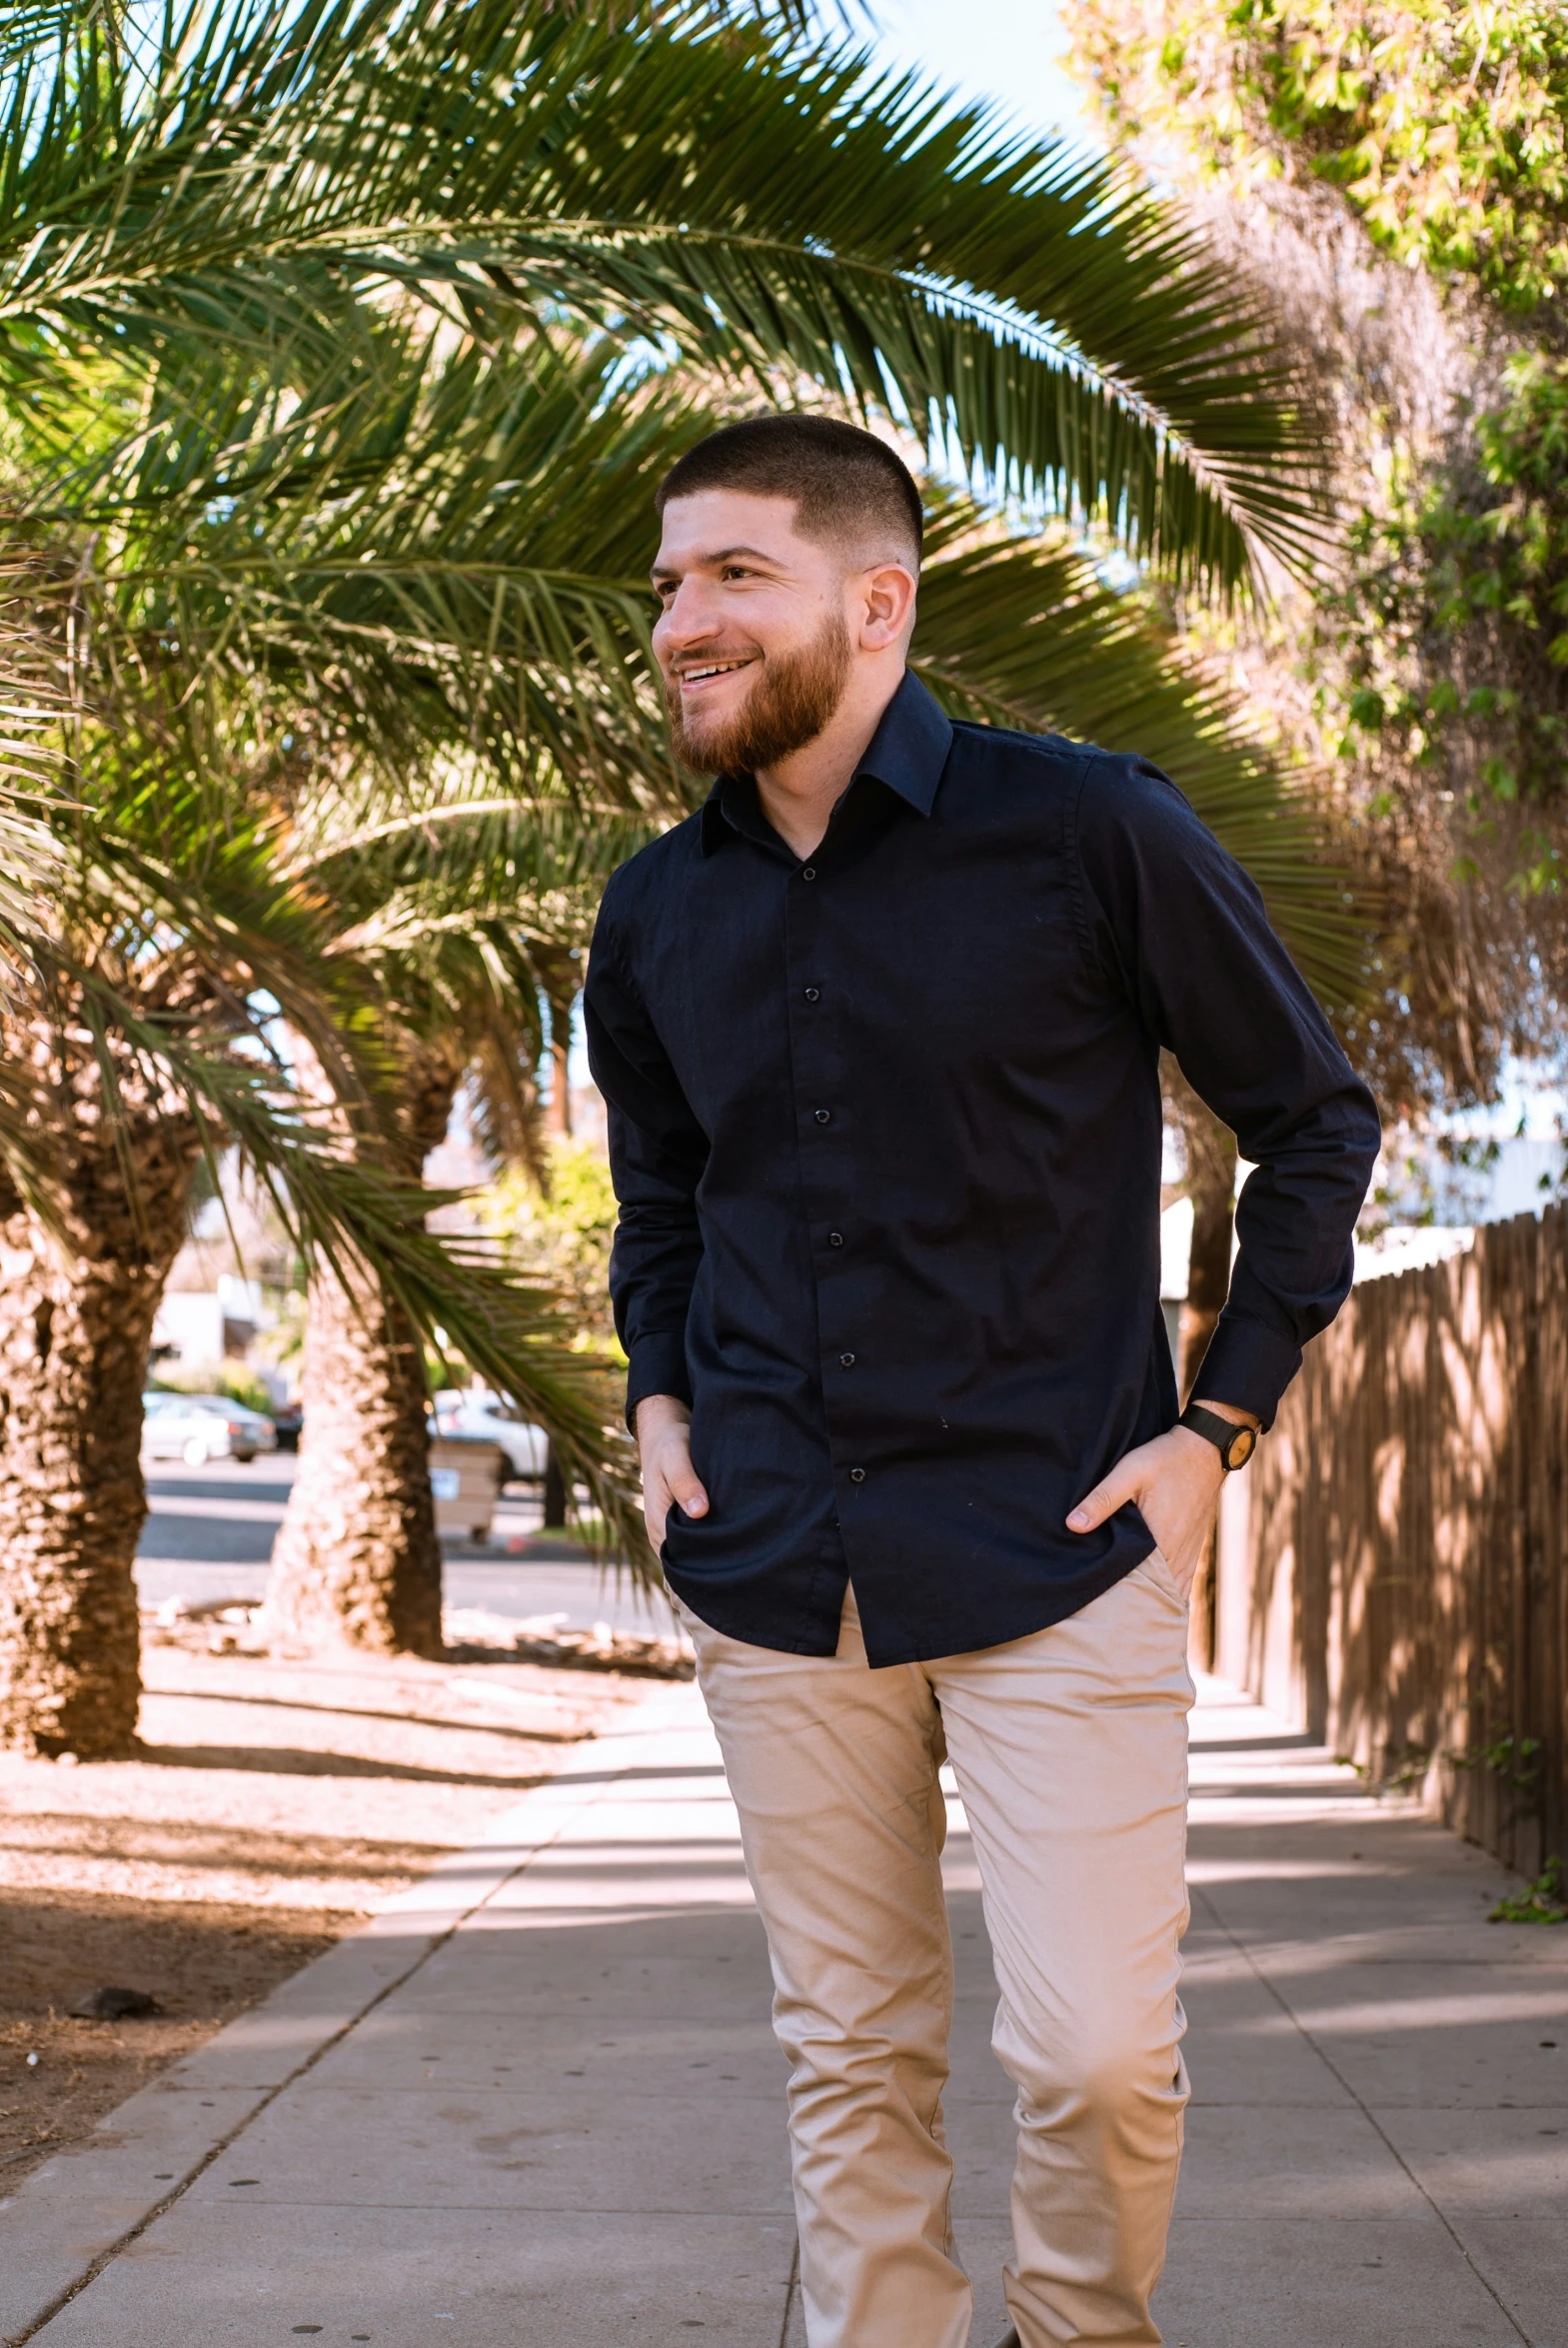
824	1139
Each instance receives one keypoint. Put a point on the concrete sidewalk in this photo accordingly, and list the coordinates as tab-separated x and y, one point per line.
538	2100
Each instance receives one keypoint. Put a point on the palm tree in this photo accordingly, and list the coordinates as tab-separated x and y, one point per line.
291	303
456	910
184	928
139	1027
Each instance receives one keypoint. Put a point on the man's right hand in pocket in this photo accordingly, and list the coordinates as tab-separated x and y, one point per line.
664	1441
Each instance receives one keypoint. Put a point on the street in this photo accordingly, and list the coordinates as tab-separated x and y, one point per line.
210	1530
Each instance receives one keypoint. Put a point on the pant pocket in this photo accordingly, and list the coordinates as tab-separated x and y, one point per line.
1158	1570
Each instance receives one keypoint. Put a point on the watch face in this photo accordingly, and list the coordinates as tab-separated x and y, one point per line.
1241	1447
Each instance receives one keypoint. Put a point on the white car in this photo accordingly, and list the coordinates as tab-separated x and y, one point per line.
199	1427
475	1413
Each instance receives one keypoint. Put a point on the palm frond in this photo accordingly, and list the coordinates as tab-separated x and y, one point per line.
435	558
765	208
340	1208
203	950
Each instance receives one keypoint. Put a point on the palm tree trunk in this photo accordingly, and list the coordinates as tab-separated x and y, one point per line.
1211	1185
562	978
559	1117
554	1492
356	1561
76	1317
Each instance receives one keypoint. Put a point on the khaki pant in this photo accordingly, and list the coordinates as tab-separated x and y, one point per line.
1070	1749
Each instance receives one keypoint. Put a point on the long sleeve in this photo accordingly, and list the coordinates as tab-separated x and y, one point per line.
1175	921
657	1154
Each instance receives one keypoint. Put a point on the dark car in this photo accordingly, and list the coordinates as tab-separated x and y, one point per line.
287	1419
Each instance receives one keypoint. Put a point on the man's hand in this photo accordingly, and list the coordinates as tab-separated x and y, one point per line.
667	1474
1174	1483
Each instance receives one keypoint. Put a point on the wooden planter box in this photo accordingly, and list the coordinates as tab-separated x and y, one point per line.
465	1477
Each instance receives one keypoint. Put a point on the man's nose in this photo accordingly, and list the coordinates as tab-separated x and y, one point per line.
686	619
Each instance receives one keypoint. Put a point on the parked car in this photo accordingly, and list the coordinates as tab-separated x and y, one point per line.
199	1427
475	1413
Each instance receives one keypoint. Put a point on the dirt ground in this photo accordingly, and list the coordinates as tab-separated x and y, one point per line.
274	1802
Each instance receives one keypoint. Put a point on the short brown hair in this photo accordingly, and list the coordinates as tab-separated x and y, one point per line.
843	481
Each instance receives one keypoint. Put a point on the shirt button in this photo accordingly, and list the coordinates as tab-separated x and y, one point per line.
836	1238
808	872
857	1475
847	1360
814	995
823	1116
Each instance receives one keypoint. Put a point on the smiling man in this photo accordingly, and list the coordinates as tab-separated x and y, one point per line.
879	1030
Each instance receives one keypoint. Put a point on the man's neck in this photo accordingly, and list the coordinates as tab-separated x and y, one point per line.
799	793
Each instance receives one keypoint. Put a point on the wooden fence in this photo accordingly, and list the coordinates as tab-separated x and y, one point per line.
1392	1569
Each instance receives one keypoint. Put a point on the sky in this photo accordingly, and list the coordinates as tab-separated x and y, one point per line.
1006	50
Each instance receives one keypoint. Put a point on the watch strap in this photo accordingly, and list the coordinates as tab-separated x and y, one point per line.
1227	1437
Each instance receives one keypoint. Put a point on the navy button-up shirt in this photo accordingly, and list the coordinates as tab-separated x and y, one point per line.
886	1131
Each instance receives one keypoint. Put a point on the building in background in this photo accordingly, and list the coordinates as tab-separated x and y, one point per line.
228	1310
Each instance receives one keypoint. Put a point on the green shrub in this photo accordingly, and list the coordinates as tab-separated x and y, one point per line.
212	1377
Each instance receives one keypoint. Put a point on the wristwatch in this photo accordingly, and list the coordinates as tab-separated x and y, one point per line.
1235	1444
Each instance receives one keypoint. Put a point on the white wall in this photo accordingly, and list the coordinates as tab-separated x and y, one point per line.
191	1319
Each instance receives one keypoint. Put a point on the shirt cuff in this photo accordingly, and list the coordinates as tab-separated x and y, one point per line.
1248	1364
657	1365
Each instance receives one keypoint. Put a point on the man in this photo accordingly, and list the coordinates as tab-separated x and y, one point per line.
879	1030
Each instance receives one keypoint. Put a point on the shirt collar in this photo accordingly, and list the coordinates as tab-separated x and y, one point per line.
907	752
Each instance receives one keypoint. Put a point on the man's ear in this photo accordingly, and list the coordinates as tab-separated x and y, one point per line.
889	605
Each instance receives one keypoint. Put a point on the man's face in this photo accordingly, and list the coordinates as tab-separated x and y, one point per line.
753	636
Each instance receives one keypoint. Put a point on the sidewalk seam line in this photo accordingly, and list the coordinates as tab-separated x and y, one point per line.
122	2242
789	2292
1368	2115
